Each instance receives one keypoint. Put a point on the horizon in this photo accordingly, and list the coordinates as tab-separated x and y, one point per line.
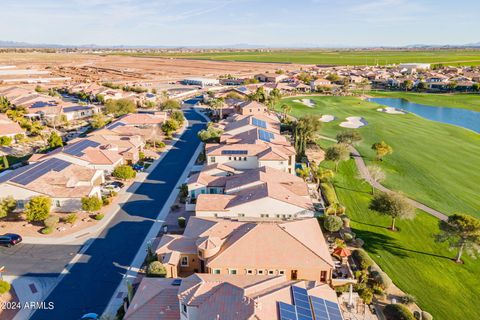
224	23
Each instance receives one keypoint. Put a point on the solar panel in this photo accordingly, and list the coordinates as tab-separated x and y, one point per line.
287	311
234	152
302	303
77	148
259	123
38	171
115	125
325	310
265	135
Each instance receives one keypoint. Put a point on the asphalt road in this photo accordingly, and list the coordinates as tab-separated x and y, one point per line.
92	281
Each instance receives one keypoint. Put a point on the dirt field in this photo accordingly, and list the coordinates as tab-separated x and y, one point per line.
93	67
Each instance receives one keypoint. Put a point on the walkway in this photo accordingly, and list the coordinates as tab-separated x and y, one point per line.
94	278
365	174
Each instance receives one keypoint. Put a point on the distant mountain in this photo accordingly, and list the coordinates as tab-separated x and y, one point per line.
15	44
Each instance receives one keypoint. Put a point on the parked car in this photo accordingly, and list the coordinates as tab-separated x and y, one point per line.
113	186
10	239
138	167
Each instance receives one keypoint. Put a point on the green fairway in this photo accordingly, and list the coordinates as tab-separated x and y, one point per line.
465	101
434	163
336	57
415	262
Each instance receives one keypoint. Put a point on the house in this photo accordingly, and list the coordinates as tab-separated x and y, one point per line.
244	156
212	296
87	153
263	193
413	67
251	107
266	77
296	249
203	82
237	124
64	182
319	82
9	128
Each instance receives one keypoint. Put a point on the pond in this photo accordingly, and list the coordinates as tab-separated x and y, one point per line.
468	119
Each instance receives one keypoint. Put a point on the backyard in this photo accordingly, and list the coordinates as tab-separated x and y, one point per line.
433	163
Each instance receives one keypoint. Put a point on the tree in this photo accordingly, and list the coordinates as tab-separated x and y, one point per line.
38	208
337	153
55	141
4	164
178	116
4	104
286	109
476	87
156	269
303	172
407	84
4	287
120	107
124	172
7	205
394	205
349	137
274	97
217	104
169	127
91	204
170	104
333	77
332	223
461	232
452	85
98	121
376	174
382	149
5	141
259	95
421	86
211	134
397	312
303	132
323	175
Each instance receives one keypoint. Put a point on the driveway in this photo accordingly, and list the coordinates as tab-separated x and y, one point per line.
92	281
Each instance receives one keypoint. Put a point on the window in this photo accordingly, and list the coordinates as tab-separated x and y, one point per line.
260	271
244	158
323	276
229	158
270	272
241	215
232	271
281	272
58	204
200	254
184	262
235	158
216	271
184	308
21	204
212	159
250	271
264	215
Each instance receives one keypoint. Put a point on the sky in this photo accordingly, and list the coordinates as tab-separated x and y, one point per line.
227	22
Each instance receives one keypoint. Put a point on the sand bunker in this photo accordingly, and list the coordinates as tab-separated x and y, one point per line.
308	102
391	110
327	118
353	122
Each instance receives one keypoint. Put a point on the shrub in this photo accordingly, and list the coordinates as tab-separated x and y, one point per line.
5	141
4	286
397	312
120	107
156	269
46	230
382	280
211	134
366	295
106	200
341	289
7	205
170	126
328	193
348	236
51	222
178	116
71	218
91	204
99	216
332	223
408	299
124	172
359	243
346	222
38	208
426	316
181	222
363	259
417	315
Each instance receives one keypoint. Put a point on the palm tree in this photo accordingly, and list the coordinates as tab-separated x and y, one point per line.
304	172
323	175
286	109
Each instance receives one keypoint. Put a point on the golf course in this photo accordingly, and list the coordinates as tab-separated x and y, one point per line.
433	163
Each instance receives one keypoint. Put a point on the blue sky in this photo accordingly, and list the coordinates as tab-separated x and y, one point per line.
224	22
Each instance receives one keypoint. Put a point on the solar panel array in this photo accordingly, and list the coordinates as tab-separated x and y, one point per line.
308	307
39	170
259	123
115	125
265	135
76	149
300	298
234	152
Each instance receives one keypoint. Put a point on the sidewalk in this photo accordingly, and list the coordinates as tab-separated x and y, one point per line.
81	236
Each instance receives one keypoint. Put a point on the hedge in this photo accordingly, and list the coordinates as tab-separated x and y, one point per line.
363	259
328	193
397	312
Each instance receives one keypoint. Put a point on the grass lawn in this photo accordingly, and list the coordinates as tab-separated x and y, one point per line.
465	101
415	262
335	57
434	163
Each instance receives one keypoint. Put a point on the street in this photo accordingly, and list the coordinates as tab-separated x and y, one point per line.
92	281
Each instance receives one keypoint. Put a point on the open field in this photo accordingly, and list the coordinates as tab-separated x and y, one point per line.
434	163
465	101
93	67
337	57
415	262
